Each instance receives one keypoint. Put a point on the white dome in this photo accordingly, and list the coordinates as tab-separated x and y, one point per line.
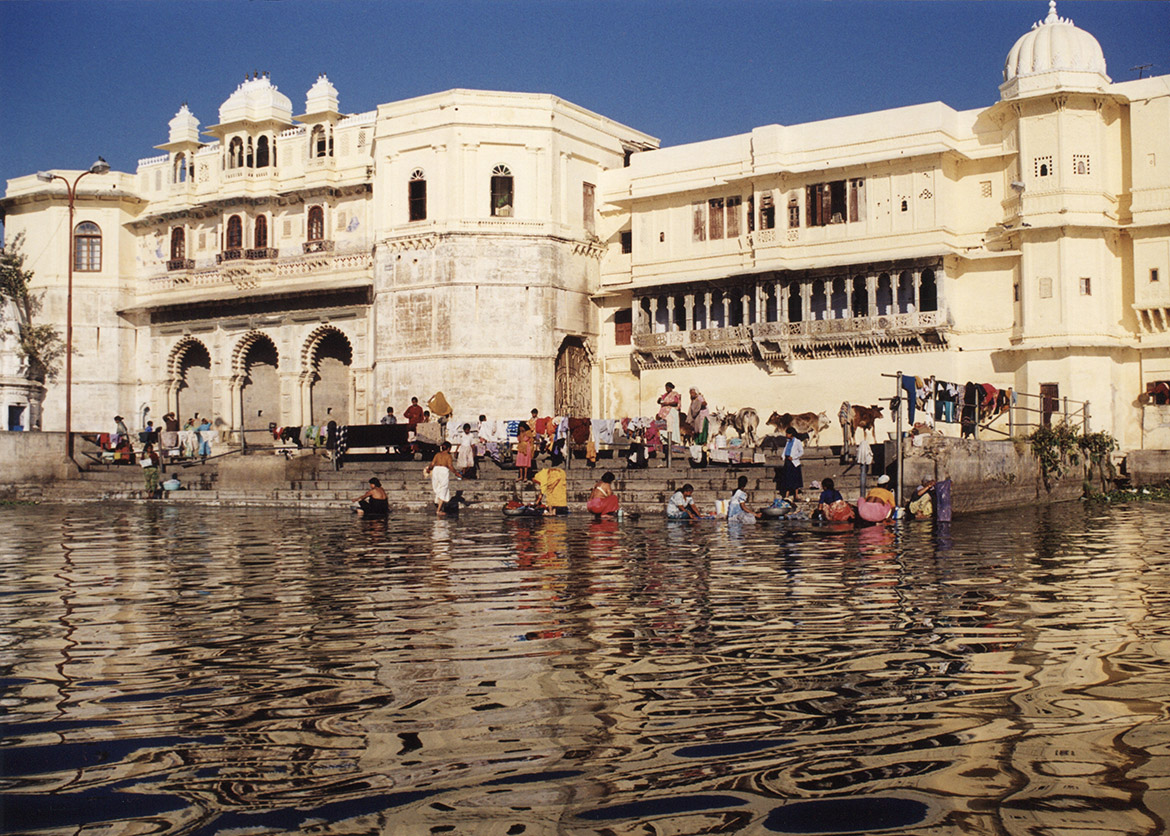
256	100
1054	45
184	127
322	96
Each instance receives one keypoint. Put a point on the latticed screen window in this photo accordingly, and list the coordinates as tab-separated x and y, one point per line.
235	233
261	233
316	223
417	195
178	243
623	327
985	188
733	212
502	191
699	221
87	247
716	216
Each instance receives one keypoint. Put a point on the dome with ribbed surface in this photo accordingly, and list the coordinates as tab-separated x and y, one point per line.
1054	45
256	100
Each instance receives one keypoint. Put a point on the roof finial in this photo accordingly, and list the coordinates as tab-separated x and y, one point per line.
1052	16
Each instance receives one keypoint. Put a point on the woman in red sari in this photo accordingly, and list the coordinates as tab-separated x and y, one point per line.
603	500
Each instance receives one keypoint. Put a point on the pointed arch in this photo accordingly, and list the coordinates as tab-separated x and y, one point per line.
189	378
327	375
255	364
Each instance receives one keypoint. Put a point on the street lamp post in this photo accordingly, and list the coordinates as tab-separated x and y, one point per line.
100	167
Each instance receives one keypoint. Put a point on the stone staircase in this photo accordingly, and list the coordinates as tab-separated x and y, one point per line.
643	490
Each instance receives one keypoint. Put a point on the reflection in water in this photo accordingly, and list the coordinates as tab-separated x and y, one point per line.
185	671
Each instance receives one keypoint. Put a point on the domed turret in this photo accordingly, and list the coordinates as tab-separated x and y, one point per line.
184	127
1054	54
322	96
256	100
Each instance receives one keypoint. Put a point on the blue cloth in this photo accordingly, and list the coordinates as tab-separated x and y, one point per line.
910	387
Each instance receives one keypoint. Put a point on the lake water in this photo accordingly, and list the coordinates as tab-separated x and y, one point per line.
198	671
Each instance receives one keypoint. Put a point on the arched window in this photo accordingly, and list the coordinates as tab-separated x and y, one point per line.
318	142
906	292
178	243
251	157
260	236
236	153
795	308
885	295
818	302
262	152
87	247
928	291
501	191
235	233
316	223
417	195
180	173
860	299
840	299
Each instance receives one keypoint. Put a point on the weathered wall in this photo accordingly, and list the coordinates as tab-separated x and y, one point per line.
32	457
986	475
1148	467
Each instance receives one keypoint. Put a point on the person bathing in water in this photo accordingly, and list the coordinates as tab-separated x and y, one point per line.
373	502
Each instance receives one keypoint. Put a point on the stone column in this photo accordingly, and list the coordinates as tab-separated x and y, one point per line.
670	323
745	302
707	309
653	314
689	304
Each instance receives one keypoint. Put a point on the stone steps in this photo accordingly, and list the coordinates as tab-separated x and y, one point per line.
408	488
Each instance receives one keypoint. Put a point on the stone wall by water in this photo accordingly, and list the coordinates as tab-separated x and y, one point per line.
987	475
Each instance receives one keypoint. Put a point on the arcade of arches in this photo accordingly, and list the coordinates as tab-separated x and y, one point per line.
263	387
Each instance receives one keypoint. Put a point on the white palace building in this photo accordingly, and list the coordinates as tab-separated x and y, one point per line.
515	251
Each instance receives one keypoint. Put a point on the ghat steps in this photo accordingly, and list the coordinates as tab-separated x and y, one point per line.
644	490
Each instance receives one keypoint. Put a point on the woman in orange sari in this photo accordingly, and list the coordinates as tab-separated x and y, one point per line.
525	447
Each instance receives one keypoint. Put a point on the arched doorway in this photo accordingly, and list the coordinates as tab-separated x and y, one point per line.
260	394
573	380
329	397
193	375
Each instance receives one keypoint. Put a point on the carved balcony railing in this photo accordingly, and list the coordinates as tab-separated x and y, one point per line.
181	264
317	246
228	255
261	253
777	344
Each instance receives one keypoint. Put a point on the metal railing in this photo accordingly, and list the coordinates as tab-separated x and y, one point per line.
1026	413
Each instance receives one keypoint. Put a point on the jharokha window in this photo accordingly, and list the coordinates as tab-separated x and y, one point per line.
236	153
417	195
501	191
178	243
320	142
261	233
87	247
316	223
235	233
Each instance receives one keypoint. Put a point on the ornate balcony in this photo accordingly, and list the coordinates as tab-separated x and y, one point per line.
181	264
228	255
261	253
778	344
317	247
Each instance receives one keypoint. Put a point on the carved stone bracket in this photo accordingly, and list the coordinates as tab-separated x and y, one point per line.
416	242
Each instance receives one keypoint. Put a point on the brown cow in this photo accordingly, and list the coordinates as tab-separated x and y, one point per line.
808	423
855	417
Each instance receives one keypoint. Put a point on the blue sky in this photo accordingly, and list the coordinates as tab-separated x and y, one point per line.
81	79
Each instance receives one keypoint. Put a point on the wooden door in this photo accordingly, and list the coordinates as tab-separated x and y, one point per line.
573	381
